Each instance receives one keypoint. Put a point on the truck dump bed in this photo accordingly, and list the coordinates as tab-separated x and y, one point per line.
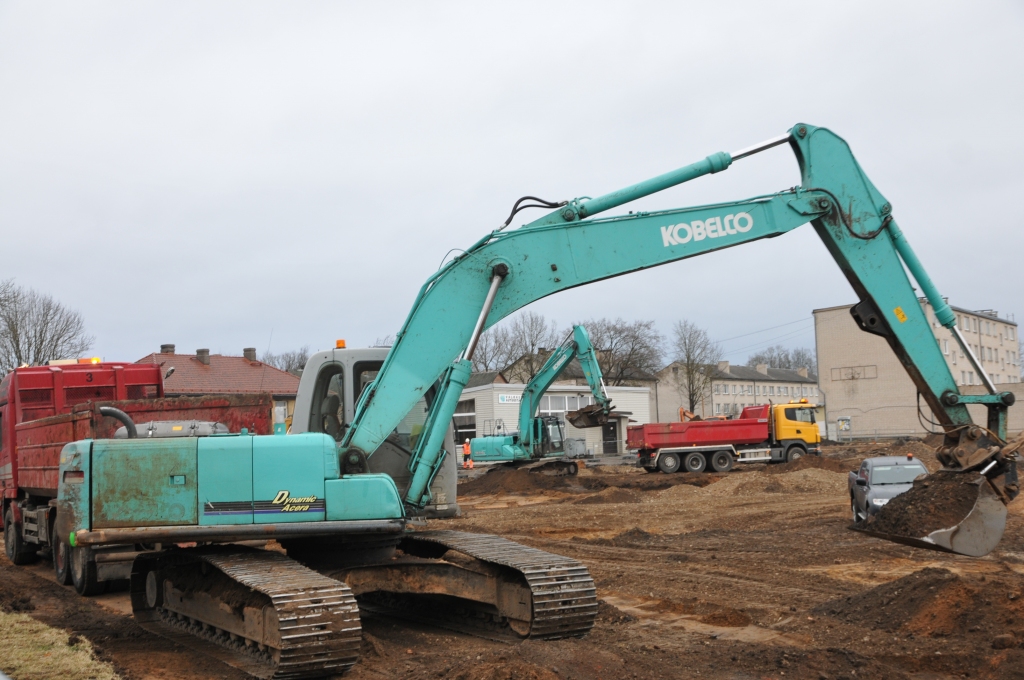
750	428
46	407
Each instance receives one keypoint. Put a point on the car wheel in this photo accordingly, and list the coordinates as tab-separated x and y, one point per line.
695	462
83	572
721	461
62	562
14	545
668	462
795	453
853	509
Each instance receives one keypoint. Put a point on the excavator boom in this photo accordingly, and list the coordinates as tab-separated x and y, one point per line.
569	247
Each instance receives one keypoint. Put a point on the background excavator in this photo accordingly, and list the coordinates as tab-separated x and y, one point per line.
340	521
542	438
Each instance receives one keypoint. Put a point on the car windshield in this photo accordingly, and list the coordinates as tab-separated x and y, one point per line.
896	474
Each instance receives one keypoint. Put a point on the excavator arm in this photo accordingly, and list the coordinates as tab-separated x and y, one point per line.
507	270
576	346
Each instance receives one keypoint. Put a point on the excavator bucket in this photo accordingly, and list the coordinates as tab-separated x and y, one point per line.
949	511
588	416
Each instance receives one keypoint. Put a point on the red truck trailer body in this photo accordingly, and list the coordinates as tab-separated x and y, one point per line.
750	428
42	408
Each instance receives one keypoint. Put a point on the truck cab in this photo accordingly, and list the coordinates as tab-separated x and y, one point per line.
795	423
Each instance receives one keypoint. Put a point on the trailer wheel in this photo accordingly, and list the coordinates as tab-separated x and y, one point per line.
62	562
18	552
83	572
668	462
695	462
795	452
721	461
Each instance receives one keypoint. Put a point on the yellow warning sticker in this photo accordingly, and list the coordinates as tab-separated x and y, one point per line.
175	428
900	314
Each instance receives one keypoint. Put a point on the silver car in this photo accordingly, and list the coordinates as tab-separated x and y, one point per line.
880	479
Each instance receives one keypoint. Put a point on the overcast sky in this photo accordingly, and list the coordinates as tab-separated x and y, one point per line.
225	175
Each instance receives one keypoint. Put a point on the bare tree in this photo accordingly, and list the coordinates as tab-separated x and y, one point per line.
697	356
802	357
35	328
522	344
775	356
626	350
778	356
293	362
493	350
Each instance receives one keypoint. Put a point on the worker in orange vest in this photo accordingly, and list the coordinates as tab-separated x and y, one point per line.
467	456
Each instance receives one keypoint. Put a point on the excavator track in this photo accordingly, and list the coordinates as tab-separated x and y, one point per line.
563	594
256	610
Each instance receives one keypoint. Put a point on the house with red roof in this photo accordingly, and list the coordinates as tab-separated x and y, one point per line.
203	373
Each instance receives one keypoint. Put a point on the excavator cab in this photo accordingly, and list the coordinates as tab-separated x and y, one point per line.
549	433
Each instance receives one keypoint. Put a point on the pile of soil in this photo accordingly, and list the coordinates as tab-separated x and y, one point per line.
610	495
939	501
808	462
808	480
936	603
500	479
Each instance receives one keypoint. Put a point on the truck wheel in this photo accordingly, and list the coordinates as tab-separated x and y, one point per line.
695	462
721	461
853	509
795	453
62	562
668	462
14	544
83	572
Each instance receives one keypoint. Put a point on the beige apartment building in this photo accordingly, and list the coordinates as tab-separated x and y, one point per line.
735	387
861	379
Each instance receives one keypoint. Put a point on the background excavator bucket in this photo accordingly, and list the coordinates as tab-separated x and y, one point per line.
955	512
588	416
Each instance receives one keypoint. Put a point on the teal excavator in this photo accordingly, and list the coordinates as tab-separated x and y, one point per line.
349	532
541	439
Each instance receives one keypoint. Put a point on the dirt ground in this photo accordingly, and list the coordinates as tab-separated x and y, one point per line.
749	574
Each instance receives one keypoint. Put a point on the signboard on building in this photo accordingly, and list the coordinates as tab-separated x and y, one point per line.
510	398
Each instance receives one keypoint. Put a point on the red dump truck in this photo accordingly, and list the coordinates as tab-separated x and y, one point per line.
42	408
765	433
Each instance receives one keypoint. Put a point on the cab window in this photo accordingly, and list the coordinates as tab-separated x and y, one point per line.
800	415
328	411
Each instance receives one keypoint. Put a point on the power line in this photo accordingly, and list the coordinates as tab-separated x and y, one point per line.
763	343
763	330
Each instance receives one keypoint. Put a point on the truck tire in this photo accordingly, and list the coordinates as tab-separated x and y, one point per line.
62	562
668	462
83	572
18	552
853	508
695	462
795	452
721	461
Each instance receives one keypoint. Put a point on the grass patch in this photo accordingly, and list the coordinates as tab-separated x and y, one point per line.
34	651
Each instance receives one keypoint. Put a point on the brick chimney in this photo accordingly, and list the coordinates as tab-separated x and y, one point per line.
723	366
802	371
166	349
249	353
762	369
204	356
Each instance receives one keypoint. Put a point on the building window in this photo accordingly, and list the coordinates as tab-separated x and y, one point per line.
734	389
945	346
718	409
465	420
963	377
716	389
771	390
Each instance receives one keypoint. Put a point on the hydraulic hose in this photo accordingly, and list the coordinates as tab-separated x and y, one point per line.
125	419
